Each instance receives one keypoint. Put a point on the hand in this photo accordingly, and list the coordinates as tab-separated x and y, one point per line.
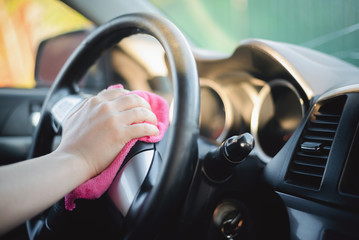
97	131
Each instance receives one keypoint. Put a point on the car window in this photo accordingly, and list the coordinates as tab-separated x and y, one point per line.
23	25
330	26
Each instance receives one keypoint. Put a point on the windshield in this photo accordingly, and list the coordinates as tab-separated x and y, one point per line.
23	25
330	26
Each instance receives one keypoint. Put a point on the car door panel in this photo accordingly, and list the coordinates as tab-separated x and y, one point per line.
19	112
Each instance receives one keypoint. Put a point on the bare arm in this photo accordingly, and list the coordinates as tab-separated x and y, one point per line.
92	138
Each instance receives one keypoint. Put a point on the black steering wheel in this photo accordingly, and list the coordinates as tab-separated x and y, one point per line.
179	159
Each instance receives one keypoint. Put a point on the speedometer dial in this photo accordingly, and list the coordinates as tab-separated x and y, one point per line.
216	115
276	115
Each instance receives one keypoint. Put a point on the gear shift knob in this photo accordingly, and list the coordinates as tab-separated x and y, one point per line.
218	164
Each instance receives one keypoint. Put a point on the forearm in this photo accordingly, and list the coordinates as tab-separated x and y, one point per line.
30	187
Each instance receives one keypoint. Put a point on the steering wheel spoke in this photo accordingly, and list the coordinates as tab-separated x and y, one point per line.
131	176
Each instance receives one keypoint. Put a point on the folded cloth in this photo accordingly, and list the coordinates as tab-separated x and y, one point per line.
95	187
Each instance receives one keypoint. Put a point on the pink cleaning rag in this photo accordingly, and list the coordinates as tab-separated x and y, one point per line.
95	187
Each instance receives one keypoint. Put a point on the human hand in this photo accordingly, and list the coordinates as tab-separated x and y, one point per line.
97	131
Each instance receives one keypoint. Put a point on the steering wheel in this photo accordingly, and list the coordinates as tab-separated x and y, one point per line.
179	159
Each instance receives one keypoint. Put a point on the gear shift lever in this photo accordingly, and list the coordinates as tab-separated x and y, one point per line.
219	163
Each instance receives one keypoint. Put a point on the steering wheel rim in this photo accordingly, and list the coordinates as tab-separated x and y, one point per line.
181	154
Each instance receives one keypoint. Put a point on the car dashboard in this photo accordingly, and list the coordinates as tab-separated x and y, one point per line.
301	106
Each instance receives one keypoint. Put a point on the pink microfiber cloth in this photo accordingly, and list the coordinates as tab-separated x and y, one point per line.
95	187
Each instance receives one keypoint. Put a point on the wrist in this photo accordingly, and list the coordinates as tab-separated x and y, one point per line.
75	164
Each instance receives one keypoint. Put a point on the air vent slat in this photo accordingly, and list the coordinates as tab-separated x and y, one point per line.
322	122
327	116
308	163
305	155
318	138
304	173
321	130
322	114
327	148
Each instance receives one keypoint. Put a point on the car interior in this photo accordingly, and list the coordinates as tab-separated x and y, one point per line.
262	142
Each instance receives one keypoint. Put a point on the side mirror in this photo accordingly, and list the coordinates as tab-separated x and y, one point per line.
53	53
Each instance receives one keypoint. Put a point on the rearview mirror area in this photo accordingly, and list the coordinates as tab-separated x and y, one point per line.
53	53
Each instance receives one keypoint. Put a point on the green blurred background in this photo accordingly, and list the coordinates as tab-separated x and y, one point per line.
330	26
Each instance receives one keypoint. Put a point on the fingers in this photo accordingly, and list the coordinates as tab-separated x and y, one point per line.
142	130
128	108
111	94
130	101
120	99
138	115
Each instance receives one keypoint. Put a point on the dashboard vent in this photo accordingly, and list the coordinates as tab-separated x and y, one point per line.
310	158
